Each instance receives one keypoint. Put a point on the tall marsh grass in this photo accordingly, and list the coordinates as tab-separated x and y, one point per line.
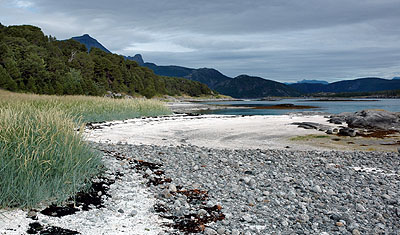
89	108
42	157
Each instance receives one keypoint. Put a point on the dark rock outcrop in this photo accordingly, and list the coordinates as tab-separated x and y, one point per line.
369	119
347	132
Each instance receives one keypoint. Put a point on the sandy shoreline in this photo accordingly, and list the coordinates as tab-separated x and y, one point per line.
235	131
213	131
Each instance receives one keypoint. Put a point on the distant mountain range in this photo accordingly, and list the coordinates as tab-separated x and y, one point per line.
356	85
245	86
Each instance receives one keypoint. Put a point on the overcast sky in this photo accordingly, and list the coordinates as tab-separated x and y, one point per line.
283	40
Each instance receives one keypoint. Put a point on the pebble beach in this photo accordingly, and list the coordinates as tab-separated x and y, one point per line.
280	191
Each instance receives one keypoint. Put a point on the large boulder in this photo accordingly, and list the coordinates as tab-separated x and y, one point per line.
370	119
347	132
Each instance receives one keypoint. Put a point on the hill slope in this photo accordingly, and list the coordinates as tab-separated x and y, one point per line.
212	77
245	86
170	71
33	62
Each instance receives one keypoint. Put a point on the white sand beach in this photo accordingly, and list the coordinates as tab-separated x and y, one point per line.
214	131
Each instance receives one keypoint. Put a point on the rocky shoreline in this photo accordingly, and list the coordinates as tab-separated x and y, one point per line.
182	188
278	191
190	189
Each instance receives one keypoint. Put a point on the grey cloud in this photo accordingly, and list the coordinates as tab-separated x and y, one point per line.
276	39
221	16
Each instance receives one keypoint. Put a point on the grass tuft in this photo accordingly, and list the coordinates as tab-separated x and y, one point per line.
42	157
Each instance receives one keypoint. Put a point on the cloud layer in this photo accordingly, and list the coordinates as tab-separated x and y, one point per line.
284	40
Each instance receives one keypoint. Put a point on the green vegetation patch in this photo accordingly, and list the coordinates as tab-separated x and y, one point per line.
42	156
308	137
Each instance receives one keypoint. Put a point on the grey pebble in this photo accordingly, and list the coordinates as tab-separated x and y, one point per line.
210	231
330	192
221	231
284	223
317	189
202	212
266	193
360	208
32	213
247	218
133	213
172	188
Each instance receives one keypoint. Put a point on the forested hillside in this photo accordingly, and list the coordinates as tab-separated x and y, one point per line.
33	62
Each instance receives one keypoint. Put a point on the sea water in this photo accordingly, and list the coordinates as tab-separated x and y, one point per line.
323	106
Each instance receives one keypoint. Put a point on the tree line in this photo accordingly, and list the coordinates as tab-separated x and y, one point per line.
33	62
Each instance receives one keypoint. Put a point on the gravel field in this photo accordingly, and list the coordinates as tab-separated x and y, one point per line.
277	191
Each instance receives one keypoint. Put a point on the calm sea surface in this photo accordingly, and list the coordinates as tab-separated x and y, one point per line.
324	106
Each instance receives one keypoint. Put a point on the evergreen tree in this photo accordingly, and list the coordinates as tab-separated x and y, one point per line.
6	81
31	85
58	89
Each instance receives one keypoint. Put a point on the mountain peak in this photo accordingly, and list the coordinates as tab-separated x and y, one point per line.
242	76
84	36
138	58
90	42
